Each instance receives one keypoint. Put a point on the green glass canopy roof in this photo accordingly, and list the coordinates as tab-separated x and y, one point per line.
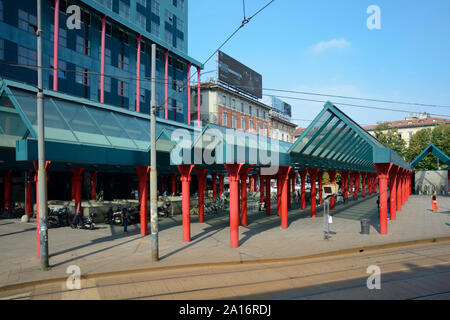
434	150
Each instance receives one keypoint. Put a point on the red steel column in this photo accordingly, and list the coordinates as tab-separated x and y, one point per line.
288	186
255	182
189	92
93	185
383	172
7	183
278	193
173	177
267	179
214	185
233	178
320	176
261	189
185	172
375	182
392	190
55	45
243	173
398	206
143	177
250	182
138	72
313	176
77	180
221	178
344	175
283	173
363	177
294	178
332	174
102	62
302	189
166	82
356	184
29	204
369	183
201	178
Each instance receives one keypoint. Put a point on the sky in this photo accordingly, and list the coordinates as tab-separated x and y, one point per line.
325	46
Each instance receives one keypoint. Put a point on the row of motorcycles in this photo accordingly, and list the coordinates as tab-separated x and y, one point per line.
62	217
132	214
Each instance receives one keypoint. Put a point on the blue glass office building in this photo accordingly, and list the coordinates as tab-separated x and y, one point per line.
164	22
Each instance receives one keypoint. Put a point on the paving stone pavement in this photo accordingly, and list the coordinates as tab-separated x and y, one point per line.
108	249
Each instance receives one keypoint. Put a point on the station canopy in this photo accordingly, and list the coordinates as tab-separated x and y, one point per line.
435	151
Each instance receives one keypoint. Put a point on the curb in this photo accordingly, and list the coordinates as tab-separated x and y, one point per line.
231	263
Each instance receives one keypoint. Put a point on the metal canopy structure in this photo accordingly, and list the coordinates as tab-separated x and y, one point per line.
434	150
334	141
79	130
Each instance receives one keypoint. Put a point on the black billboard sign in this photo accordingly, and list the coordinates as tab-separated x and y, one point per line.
237	75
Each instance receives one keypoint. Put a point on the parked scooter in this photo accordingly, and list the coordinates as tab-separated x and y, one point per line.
84	222
164	210
58	218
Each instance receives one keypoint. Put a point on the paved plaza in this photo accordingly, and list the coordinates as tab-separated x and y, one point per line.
108	249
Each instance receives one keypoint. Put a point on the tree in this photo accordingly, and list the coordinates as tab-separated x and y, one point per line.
440	137
390	138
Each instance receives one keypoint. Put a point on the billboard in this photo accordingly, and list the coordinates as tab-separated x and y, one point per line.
281	106
237	75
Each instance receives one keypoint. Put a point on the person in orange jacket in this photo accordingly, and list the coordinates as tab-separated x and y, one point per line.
434	202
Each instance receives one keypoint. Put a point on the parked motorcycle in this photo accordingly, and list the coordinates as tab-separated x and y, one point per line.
58	218
84	222
164	210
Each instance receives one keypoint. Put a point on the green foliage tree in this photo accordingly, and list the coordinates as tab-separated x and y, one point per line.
390	138
440	137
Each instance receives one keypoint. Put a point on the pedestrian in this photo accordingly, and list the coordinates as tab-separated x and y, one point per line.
125	220
434	202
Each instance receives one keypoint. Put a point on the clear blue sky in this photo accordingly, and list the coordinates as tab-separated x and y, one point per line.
325	46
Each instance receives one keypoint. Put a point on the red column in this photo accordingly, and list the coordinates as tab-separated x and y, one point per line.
201	178
283	173
166	82
143	177
250	182
185	172
288	186
375	182
102	61
77	180
344	175
261	189
392	190
320	176
198	97
29	204
233	178
93	185
243	173
369	183
356	184
398	206
332	174
255	182
350	182
189	92
363	177
404	187
267	179
313	176
221	178
173	177
302	189
383	172
214	185
7	183
55	45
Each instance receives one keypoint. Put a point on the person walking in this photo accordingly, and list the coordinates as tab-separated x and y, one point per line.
125	220
434	202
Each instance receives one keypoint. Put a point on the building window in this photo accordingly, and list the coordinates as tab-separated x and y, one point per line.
250	125
1	10
224	100
234	121
154	28
26	57
257	128
124	10
264	130
123	62
155	7
82	45
242	107
107	84
180	43
142	2
169	17
142	94
140	20
62	36
122	89
250	110
180	24
233	103
410	134
106	3
107	56
224	119
196	100
26	21
257	112
81	76
242	123
169	37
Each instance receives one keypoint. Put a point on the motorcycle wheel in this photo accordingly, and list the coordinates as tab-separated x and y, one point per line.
91	227
73	226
